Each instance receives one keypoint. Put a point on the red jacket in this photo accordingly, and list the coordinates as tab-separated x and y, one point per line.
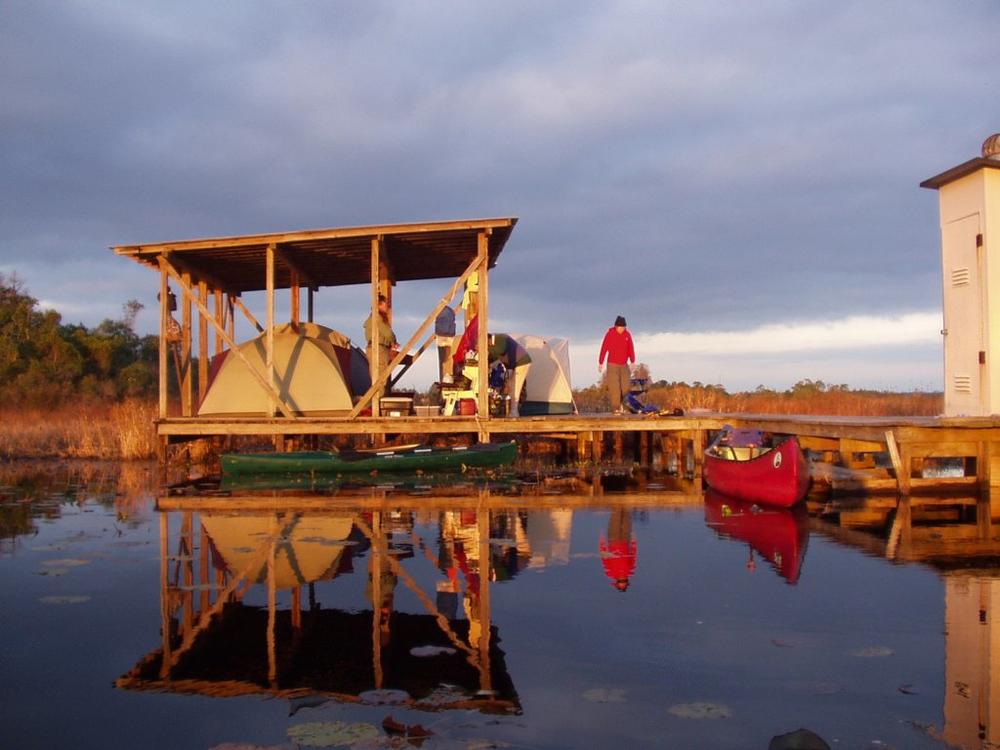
617	347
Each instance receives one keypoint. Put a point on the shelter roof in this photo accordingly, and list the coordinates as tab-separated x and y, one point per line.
330	257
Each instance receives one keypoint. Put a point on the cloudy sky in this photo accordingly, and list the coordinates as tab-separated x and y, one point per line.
740	180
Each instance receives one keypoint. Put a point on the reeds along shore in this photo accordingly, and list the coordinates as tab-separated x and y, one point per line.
92	430
125	430
804	398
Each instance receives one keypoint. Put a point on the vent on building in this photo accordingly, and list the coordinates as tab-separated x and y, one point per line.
962	383
991	147
960	276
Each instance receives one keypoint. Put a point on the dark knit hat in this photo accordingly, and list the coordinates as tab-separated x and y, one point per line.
620	321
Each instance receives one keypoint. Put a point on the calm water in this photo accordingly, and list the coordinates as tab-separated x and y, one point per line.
551	616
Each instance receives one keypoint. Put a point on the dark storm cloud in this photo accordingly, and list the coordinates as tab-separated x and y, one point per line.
681	162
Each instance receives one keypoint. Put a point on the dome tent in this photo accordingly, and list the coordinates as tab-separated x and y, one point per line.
547	386
317	372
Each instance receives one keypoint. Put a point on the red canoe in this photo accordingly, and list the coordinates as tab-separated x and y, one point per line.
744	470
778	535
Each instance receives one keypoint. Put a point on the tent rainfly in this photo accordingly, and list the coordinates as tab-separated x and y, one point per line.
317	370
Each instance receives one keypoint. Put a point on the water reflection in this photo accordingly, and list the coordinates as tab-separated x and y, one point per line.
215	643
778	535
430	598
958	537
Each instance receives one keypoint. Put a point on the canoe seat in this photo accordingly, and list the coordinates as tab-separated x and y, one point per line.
739	452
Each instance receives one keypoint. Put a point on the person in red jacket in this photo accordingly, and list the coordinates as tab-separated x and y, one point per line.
618	349
618	551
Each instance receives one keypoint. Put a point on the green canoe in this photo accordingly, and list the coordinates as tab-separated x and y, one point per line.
419	458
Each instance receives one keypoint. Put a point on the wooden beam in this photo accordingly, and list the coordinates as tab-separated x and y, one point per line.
294	314
187	385
220	316
233	347
482	335
269	331
381	380
374	365
164	328
202	343
314	234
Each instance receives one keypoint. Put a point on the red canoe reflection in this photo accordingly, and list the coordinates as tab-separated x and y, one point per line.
778	535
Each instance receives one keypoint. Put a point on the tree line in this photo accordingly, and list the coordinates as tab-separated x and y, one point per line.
44	362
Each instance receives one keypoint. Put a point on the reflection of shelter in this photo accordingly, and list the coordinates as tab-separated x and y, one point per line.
228	647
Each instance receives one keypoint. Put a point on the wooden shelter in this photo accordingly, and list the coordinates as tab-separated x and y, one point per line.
214	274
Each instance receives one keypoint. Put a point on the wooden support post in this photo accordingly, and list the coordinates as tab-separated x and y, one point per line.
187	386
900	456
375	576
272	605
296	608
164	328
644	455
482	334
983	468
697	452
187	565
203	581
220	317
374	365
295	300
165	614
269	339
597	447
618	441
485	575
202	343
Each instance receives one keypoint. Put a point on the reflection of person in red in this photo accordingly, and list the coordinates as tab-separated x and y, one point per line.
618	551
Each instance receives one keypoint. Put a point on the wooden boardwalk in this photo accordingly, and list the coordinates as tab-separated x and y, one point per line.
846	450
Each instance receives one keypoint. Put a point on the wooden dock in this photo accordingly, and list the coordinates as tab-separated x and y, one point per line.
860	455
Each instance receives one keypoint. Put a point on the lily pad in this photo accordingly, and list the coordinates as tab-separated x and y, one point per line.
331	733
64	599
700	710
873	652
53	572
605	695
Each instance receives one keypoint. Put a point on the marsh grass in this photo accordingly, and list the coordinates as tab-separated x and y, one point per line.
806	398
89	430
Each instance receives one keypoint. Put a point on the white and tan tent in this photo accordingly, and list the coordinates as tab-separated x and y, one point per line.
547	386
317	369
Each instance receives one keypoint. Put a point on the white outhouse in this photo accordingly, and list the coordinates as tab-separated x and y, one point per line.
970	226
